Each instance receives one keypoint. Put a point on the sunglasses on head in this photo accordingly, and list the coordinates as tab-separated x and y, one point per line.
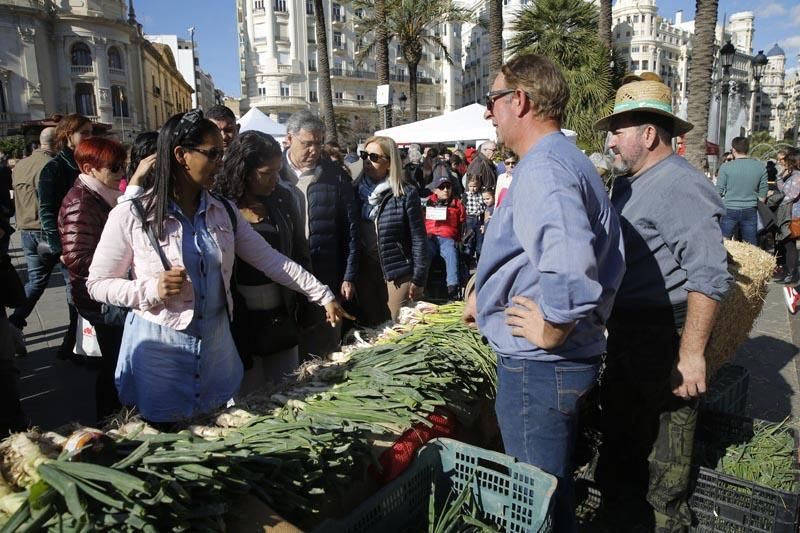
215	154
372	157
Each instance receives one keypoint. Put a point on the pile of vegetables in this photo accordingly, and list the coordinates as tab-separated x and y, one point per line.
297	448
767	458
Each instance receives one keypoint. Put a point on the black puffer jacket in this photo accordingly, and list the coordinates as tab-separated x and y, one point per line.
401	237
332	225
55	179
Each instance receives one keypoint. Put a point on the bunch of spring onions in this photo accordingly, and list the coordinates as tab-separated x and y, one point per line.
298	454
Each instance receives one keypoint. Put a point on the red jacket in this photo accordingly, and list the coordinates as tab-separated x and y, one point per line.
450	227
81	219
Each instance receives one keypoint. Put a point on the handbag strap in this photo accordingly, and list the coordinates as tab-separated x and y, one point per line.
137	205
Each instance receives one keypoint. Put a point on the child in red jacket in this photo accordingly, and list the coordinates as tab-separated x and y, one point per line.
444	218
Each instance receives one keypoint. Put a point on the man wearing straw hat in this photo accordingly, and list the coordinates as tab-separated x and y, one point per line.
663	313
551	263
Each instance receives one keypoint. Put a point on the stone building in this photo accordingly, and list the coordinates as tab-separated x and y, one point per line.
84	56
278	64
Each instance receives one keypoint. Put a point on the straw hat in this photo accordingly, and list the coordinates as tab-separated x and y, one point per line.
645	95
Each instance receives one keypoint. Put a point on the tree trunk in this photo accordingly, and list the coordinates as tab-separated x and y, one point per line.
324	77
604	23
700	73
382	53
495	36
412	88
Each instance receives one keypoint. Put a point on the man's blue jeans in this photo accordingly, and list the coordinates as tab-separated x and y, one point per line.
537	410
447	249
39	271
745	219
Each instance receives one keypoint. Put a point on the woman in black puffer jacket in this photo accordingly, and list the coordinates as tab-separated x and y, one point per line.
393	208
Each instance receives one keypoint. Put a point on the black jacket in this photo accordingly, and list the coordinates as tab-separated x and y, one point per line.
332	224
55	180
401	237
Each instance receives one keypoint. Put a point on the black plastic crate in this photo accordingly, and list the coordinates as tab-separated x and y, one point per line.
724	503
727	392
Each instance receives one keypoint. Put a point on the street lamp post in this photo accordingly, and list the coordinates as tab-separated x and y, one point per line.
727	53
759	64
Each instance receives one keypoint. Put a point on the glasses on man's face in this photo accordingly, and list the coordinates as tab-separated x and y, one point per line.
214	154
510	163
372	157
116	167
492	96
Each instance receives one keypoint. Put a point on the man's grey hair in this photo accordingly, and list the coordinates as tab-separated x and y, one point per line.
47	137
304	120
484	143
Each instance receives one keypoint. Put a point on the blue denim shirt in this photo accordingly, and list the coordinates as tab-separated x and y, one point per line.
556	240
171	374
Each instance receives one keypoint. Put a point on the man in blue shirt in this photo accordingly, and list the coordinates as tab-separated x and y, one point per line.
551	264
662	316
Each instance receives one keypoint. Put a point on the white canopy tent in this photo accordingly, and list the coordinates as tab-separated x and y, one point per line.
465	124
255	119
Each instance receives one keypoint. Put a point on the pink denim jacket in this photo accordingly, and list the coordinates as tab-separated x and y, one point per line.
124	246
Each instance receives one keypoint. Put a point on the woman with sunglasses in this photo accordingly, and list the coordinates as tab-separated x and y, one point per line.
265	325
178	357
393	264
81	219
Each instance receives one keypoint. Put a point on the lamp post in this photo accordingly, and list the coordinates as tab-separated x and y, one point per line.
780	112
759	64
727	53
403	99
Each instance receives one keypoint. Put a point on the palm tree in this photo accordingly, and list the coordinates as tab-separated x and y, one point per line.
411	23
382	53
699	85
565	31
324	78
604	23
495	36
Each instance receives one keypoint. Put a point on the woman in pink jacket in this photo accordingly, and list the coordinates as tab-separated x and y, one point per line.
178	358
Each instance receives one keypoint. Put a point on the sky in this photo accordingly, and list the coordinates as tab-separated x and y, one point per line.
215	28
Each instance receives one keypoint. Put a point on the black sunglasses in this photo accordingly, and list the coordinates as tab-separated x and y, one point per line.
491	96
215	154
116	167
372	157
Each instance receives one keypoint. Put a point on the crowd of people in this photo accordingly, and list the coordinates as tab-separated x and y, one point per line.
191	252
219	260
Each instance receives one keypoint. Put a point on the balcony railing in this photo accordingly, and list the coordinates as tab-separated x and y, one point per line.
116	71
284	68
82	69
358	74
278	101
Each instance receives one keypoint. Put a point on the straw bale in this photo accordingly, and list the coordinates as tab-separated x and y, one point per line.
751	268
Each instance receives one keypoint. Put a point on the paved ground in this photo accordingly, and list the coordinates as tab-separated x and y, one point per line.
56	392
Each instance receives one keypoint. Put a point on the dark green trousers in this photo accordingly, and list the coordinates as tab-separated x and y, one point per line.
648	433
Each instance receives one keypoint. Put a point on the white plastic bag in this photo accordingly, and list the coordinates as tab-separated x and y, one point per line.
86	339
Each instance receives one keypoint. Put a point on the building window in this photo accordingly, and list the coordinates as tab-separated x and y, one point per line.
636	18
337	39
262	91
360	97
84	99
258	5
359	12
119	103
309	7
312	64
338	96
285	89
279	6
645	64
81	55
114	58
336	13
634	65
312	96
3	106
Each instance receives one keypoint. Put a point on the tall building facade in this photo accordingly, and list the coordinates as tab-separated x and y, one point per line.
187	58
89	57
772	100
278	64
66	57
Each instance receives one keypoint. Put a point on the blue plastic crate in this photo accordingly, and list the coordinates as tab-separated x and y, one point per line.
515	496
